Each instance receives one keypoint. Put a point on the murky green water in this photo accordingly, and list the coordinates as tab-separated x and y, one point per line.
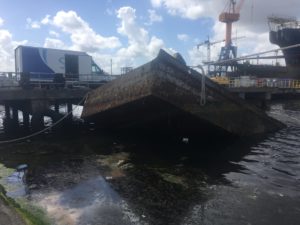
92	178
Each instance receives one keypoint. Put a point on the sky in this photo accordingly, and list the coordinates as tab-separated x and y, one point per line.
131	32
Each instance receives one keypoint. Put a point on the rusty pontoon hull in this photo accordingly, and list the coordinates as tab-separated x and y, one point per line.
165	94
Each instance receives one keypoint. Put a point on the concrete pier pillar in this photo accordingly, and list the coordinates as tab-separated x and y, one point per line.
56	107
25	119
39	106
268	96
37	121
70	108
11	120
7	111
15	115
242	95
8	126
38	109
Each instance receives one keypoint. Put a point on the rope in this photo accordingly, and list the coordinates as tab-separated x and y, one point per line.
47	128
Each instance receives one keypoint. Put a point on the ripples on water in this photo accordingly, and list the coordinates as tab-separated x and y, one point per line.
274	162
264	186
248	182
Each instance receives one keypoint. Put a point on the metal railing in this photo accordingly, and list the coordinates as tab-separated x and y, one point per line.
9	79
41	80
249	82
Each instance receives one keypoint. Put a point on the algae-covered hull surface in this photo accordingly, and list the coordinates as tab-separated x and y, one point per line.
169	95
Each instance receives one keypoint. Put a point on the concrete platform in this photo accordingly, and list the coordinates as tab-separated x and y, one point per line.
19	94
166	94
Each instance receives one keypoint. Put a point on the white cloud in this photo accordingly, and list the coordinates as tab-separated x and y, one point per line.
34	24
154	17
129	26
154	46
54	43
253	13
54	33
83	37
46	20
253	20
31	24
171	51
140	44
196	57
191	9
1	22
7	46
256	43
183	37
156	3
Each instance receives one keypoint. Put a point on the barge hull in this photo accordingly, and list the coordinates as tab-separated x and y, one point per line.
166	94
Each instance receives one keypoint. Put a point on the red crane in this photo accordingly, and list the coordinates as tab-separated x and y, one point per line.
230	15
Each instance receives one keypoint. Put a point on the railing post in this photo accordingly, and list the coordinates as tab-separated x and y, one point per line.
202	95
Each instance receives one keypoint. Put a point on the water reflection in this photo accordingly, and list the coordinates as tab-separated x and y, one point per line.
91	201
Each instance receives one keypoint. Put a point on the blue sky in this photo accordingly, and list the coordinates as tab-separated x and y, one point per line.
130	32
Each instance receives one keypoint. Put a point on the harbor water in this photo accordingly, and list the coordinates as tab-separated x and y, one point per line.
83	176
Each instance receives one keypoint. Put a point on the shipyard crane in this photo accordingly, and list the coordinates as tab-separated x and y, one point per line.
230	15
208	44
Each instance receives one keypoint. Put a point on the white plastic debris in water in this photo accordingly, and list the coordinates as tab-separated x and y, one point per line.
22	167
16	182
120	162
16	177
185	140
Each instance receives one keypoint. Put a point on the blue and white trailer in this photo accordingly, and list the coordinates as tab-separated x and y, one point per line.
43	64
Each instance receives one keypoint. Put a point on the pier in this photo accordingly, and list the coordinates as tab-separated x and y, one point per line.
38	103
163	91
40	99
261	88
266	93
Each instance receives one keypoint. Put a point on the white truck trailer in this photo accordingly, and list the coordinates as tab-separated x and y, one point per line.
43	65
